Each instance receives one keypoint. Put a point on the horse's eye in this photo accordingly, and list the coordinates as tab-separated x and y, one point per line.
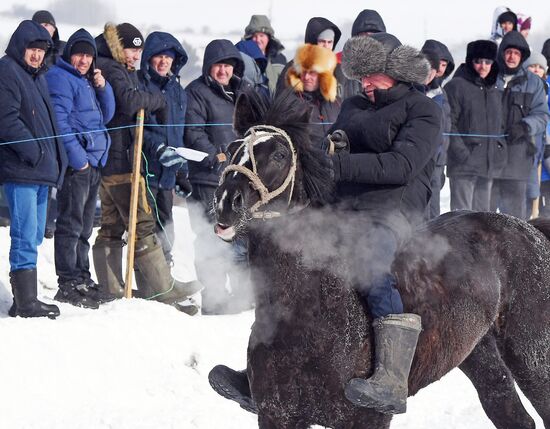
279	156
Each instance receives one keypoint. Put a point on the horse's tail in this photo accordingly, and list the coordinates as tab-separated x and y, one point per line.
543	225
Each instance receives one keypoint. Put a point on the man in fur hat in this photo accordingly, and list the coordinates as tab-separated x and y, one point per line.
119	48
387	138
476	108
311	76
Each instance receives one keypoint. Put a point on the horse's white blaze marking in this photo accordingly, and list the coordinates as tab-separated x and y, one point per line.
261	136
222	199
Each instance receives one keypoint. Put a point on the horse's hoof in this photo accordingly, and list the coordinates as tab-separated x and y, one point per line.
232	385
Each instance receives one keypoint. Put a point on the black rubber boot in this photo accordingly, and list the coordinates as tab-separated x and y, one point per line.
386	391
108	267
25	301
233	385
153	277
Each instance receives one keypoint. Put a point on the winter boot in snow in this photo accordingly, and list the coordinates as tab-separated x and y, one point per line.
233	385
99	292
108	267
25	302
76	293
153	277
386	390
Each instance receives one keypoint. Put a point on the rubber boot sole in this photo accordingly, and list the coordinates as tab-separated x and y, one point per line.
355	393
230	384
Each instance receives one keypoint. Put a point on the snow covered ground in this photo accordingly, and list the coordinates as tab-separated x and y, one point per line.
143	365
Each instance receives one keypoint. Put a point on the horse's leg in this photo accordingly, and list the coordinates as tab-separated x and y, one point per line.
495	386
370	419
528	357
266	421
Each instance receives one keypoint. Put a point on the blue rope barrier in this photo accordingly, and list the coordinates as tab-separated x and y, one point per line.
489	136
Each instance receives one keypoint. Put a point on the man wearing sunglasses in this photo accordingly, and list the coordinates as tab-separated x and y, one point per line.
525	114
476	111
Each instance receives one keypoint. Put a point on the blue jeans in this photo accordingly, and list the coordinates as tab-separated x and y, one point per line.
372	253
28	206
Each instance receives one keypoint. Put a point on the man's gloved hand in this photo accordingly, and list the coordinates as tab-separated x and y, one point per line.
220	162
183	186
518	133
168	157
336	142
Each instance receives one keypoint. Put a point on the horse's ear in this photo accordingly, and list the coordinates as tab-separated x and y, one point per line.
247	113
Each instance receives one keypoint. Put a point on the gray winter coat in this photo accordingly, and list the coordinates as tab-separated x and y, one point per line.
524	99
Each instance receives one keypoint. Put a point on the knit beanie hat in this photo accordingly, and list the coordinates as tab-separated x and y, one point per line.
82	47
536	58
130	36
44	17
38	44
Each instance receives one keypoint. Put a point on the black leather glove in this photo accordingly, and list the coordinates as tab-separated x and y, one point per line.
183	186
336	142
518	133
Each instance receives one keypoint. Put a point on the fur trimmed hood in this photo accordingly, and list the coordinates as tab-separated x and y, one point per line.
318	59
110	45
383	53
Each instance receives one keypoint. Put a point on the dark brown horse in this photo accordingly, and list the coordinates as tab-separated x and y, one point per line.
480	282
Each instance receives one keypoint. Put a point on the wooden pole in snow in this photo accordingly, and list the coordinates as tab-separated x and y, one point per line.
136	176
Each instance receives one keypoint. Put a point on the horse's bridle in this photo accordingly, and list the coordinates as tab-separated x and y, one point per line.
266	196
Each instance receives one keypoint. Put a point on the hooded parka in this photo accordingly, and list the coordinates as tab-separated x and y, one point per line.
176	99
210	112
26	114
524	99
81	108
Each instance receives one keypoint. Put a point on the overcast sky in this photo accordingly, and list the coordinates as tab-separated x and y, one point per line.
412	21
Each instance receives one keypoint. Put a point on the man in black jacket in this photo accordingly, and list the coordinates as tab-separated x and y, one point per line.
119	48
211	101
383	173
476	109
33	163
387	138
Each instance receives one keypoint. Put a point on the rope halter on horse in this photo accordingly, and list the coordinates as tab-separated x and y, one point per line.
253	135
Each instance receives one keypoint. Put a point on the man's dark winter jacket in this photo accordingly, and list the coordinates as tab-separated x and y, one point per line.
524	99
476	108
27	114
176	100
79	107
323	114
211	104
392	146
129	100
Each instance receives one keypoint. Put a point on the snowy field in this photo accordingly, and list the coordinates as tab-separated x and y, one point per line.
143	365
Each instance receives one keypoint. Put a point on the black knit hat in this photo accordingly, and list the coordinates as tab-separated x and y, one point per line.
82	47
130	36
38	44
44	17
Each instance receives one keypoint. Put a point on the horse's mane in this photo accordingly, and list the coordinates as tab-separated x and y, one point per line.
291	114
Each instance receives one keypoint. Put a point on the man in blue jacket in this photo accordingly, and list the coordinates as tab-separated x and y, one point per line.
83	102
31	159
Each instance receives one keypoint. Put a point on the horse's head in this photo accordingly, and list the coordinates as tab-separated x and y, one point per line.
273	168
